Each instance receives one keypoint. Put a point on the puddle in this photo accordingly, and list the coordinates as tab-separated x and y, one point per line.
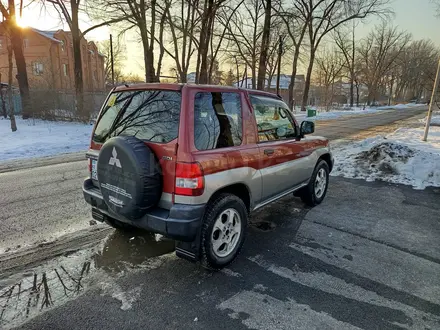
264	225
28	294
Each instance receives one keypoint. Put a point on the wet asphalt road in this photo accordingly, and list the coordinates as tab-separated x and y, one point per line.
368	257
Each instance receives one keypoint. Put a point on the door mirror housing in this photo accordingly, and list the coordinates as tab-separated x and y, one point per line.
307	127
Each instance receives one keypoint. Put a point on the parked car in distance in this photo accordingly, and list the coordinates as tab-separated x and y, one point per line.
191	162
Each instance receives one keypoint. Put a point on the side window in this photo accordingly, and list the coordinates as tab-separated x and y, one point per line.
217	120
274	120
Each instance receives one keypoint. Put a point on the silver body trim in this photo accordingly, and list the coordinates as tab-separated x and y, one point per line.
274	198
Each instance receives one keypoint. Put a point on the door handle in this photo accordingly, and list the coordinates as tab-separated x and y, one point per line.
269	152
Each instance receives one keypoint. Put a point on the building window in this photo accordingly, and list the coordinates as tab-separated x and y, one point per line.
62	45
25	43
37	68
1	43
66	70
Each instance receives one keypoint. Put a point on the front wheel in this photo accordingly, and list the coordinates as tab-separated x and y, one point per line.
314	193
223	231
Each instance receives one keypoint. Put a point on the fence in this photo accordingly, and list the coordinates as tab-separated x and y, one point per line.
16	99
52	104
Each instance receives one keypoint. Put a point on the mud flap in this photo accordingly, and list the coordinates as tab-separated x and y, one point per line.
189	250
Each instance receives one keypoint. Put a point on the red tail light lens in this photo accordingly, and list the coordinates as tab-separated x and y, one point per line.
189	179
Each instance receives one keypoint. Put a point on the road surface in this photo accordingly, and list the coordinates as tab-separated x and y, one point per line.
368	257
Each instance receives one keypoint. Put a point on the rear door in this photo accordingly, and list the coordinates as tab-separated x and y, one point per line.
152	116
284	164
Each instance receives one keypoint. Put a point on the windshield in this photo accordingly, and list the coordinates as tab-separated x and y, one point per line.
151	115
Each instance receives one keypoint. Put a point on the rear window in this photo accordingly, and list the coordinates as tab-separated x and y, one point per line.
217	120
151	115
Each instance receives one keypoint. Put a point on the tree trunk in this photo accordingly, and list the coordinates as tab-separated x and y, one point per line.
292	78
10	96
78	70
353	54
357	96
264	46
22	78
204	45
308	81
150	75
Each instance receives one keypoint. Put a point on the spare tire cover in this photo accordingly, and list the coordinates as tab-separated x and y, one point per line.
129	176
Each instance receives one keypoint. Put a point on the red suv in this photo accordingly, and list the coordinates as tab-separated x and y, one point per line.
192	161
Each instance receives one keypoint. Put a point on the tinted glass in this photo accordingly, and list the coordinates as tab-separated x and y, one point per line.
150	115
274	120
217	120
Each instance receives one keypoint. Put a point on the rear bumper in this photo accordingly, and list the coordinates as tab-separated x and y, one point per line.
181	222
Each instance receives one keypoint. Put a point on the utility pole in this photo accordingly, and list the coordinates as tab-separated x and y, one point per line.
431	103
280	53
112	60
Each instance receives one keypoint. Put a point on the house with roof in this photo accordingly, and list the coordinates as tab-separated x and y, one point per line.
50	64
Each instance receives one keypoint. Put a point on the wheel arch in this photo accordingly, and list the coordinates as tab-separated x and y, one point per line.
241	190
328	159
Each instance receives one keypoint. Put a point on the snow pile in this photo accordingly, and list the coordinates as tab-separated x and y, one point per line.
335	114
400	106
39	138
400	157
435	120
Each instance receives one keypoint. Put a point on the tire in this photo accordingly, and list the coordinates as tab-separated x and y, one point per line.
232	210
129	176
311	196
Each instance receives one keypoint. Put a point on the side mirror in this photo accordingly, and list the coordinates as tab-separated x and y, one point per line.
307	127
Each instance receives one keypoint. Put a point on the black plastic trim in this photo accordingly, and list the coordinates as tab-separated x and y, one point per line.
181	222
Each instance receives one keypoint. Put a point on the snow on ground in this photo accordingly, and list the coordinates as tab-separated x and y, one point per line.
400	106
400	157
347	111
435	120
39	138
334	114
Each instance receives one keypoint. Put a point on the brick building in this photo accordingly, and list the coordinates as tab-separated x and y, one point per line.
49	61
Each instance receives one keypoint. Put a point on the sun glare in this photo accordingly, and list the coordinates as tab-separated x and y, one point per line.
22	22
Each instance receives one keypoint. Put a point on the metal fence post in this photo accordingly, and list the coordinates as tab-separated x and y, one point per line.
433	97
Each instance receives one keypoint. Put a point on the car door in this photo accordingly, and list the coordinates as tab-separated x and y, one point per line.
284	162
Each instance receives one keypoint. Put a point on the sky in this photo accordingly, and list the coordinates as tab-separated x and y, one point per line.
414	16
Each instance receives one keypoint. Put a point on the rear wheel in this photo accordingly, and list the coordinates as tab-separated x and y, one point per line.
223	231
314	193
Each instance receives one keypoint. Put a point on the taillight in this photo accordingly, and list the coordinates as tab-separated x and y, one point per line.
189	179
90	165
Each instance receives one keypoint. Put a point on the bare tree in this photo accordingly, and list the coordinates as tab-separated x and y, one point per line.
378	54
244	34
345	40
329	69
261	81
16	37
296	24
415	69
118	57
183	26
323	16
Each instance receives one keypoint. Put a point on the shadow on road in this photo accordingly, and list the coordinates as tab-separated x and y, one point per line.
69	276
